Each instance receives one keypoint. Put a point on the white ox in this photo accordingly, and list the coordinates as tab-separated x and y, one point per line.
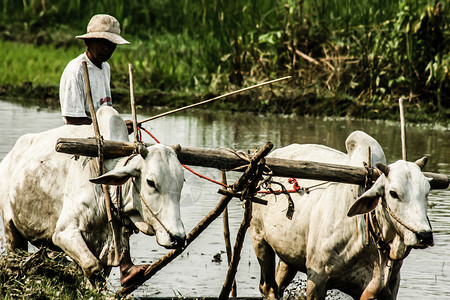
326	238
46	197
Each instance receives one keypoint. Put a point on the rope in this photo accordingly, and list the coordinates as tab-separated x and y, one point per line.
374	228
396	218
186	167
151	135
204	177
297	189
151	211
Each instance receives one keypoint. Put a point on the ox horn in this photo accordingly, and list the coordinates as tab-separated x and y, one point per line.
383	168
176	148
421	162
142	150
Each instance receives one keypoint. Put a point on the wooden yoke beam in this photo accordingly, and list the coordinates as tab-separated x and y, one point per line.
224	160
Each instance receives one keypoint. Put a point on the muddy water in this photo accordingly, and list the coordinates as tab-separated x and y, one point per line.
425	273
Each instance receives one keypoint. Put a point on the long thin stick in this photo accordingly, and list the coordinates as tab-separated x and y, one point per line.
133	104
213	99
402	128
232	268
91	103
226	235
102	166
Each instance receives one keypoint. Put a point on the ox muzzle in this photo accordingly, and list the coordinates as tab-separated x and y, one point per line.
177	241
424	239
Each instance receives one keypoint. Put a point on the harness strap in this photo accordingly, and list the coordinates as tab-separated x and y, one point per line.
386	207
374	229
119	193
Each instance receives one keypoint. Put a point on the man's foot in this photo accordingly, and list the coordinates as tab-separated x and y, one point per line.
129	275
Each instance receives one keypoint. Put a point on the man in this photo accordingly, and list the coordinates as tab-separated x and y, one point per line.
101	39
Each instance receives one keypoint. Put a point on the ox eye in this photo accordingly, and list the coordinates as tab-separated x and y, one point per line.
394	194
151	183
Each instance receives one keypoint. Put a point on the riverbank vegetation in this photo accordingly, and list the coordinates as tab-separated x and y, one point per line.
347	58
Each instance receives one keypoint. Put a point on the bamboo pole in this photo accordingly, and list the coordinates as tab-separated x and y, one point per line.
226	235
402	127
101	163
133	104
165	260
213	99
232	268
368	186
87	85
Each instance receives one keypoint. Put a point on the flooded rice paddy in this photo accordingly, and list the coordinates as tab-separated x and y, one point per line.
425	273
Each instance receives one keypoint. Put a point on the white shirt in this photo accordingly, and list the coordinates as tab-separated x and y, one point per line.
72	91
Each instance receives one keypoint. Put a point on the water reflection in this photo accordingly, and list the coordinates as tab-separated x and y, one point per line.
424	273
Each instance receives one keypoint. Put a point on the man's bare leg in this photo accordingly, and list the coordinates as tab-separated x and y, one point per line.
130	272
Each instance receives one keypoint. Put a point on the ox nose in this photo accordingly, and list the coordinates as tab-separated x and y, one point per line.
178	242
424	239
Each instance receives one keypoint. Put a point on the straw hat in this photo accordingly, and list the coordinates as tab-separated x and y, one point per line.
104	27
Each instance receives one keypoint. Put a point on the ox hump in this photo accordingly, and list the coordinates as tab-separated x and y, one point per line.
357	144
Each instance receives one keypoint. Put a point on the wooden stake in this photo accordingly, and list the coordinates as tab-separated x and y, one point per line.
368	186
232	268
402	128
133	104
226	235
87	84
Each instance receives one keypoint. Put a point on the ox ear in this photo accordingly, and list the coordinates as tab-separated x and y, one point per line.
369	200
117	176
421	162
142	150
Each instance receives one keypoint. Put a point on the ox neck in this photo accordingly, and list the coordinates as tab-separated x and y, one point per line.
376	233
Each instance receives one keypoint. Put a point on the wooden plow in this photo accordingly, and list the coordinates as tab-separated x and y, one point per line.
252	166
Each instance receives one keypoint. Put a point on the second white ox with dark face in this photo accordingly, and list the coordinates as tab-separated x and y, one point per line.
46	197
326	238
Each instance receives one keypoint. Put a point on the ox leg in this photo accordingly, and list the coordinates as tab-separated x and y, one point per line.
394	282
14	239
71	241
315	285
284	276
266	259
129	271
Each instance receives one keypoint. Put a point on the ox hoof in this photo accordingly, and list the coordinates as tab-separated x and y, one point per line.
132	274
96	280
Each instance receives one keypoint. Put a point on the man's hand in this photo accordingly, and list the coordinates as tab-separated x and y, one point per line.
129	124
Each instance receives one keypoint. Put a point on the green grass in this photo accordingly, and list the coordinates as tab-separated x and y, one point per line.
41	65
36	276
